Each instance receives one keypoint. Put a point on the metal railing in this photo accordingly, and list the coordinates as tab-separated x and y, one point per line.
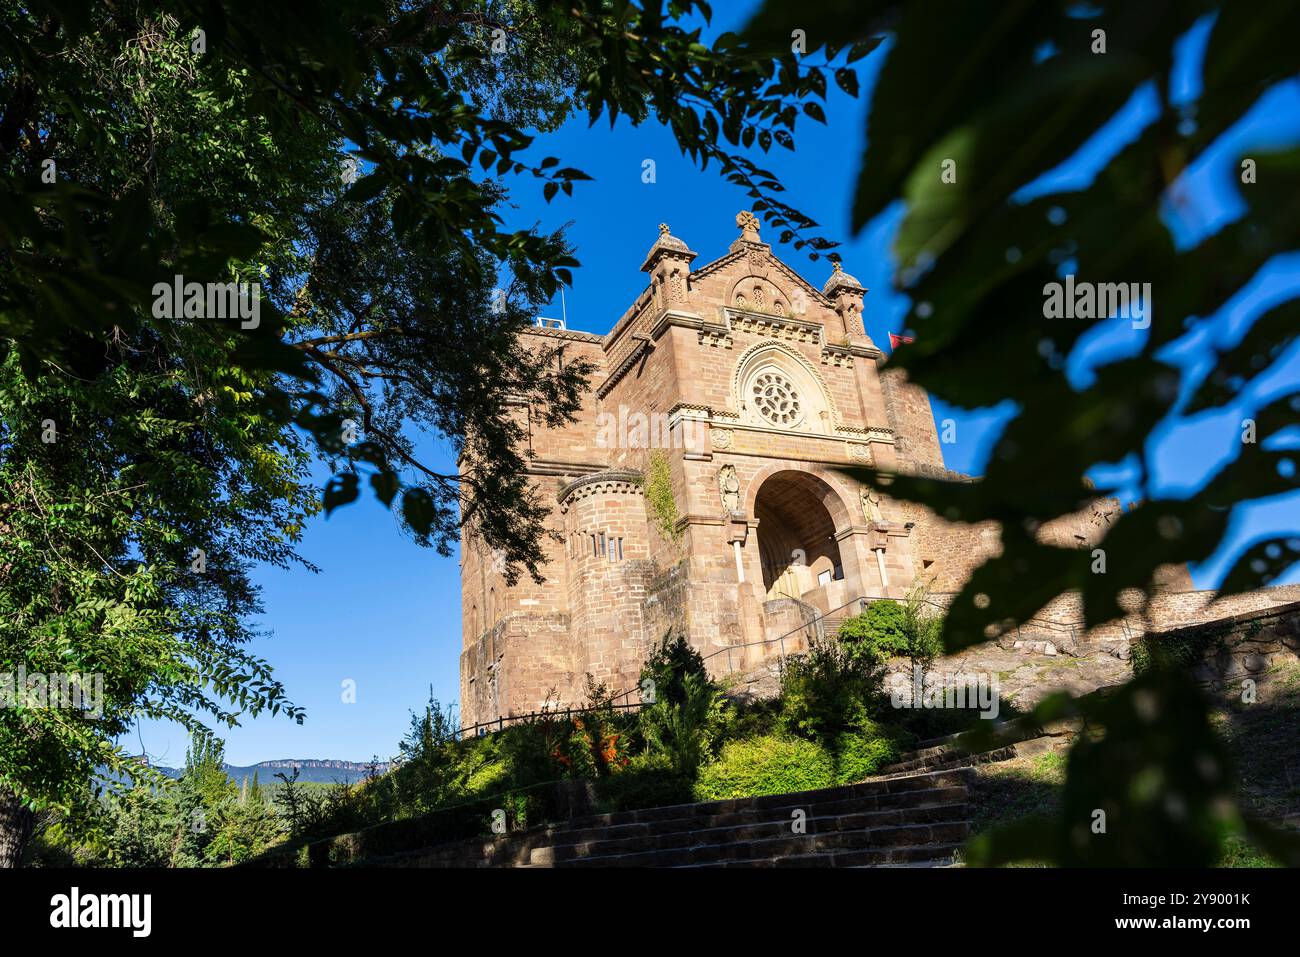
816	623
1047	624
500	722
780	639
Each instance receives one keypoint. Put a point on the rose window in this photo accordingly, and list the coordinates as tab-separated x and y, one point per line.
776	399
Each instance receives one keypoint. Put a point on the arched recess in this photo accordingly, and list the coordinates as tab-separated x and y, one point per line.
769	364
758	294
798	515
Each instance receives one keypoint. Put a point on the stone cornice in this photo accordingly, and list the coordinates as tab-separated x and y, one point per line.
726	419
773	325
607	482
572	334
644	343
555	467
872	433
843	353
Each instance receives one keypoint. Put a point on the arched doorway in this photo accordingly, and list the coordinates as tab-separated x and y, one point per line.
796	535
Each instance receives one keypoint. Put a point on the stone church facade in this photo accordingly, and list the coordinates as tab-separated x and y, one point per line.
701	489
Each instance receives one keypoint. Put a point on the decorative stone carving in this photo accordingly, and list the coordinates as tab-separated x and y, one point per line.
776	399
839	358
783	327
729	488
859	452
871	505
721	438
748	224
718	337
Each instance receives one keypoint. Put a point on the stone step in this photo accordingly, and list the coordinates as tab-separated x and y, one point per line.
599	845
942	760
787	846
927	855
912	810
919	782
884	803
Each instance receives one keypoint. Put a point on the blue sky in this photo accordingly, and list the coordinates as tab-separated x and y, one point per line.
386	614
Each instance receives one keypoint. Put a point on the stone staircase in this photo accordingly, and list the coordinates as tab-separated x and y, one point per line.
948	754
913	820
831	623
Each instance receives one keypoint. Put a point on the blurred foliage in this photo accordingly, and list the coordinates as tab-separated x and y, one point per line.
998	94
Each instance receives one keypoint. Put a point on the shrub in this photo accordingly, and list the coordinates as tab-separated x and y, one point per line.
863	752
686	716
878	633
766	765
888	628
828	691
751	719
668	667
922	629
685	733
649	780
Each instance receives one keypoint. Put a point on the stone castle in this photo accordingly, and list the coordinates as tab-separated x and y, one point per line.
700	490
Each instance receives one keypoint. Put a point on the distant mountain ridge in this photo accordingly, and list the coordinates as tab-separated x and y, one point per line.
319	770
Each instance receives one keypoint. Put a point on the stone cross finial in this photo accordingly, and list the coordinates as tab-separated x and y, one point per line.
663	229
836	267
748	224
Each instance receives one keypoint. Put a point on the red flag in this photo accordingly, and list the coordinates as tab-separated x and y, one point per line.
896	341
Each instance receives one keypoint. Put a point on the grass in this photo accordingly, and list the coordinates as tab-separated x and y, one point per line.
1006	791
1261	736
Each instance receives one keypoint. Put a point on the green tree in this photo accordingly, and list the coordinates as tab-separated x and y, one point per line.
206	802
151	140
922	628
